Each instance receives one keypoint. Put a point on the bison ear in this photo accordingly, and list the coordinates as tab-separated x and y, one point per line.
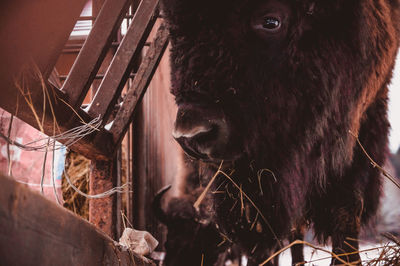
156	205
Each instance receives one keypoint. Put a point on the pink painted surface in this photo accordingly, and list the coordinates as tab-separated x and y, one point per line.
26	166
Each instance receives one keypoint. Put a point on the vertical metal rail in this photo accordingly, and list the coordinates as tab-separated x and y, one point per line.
102	212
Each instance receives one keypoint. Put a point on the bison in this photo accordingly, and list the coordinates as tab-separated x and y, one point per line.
275	94
192	234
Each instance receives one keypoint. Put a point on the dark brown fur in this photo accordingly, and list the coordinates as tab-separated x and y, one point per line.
193	238
290	103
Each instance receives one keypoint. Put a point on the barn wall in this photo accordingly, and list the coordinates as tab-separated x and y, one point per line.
157	157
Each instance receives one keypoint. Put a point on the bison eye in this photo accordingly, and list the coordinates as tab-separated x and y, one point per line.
271	23
267	25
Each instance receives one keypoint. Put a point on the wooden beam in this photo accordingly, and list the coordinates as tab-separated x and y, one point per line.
94	50
121	65
35	231
140	84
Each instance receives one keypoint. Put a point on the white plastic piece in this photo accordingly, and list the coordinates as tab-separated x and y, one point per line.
140	242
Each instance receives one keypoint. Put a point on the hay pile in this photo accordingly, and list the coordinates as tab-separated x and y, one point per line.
78	169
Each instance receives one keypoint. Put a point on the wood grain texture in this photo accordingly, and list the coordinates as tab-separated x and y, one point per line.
35	231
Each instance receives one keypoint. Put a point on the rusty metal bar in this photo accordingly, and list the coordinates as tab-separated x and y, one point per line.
140	84
94	17
118	205
121	65
98	76
129	176
94	50
102	212
80	45
76	48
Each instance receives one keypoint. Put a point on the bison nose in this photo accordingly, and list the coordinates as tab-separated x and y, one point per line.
201	132
190	133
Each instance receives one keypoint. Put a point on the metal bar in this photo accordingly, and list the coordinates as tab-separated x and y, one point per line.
140	84
121	65
80	45
94	50
118	205
94	17
47	234
102	212
140	170
129	176
98	76
77	48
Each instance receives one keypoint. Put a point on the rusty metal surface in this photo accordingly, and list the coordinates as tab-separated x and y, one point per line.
121	65
94	50
103	212
140	84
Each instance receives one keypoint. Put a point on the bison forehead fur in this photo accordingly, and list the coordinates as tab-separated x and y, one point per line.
294	82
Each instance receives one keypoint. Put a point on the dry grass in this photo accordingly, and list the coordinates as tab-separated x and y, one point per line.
390	254
78	169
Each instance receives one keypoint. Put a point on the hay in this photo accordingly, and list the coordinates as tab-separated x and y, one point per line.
390	254
78	169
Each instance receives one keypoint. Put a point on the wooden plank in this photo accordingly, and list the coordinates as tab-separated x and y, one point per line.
140	84
102	212
94	50
121	65
35	231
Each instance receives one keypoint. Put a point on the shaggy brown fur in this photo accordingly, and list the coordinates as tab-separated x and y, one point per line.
192	234
289	100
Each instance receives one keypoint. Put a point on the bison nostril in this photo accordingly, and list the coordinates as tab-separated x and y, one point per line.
192	132
198	141
202	132
206	136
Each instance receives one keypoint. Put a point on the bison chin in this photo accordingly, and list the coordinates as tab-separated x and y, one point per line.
204	133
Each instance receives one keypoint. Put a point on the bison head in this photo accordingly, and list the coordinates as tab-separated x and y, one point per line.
277	79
